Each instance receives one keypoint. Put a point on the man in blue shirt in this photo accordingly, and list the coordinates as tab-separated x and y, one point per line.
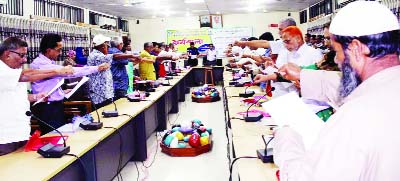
118	69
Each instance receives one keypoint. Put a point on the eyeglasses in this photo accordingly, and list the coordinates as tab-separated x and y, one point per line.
327	38
58	50
21	55
286	41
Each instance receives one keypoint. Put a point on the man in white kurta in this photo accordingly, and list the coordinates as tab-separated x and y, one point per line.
361	141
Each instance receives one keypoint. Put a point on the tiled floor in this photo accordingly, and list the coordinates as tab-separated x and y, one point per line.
206	167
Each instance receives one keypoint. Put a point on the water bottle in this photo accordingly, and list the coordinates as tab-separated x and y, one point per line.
263	86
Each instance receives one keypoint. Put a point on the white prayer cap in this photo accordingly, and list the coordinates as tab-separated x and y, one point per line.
100	39
362	18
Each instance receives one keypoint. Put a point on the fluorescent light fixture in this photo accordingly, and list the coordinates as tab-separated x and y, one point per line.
127	5
199	10
111	4
218	12
193	1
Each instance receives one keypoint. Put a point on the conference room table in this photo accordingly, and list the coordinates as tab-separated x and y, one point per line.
102	153
246	136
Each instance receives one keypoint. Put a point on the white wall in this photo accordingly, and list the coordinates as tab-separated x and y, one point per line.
155	29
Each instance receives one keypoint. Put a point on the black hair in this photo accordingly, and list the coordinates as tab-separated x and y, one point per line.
252	38
147	44
49	41
12	43
380	44
191	43
267	36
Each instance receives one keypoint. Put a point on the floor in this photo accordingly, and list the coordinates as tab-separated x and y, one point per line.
206	167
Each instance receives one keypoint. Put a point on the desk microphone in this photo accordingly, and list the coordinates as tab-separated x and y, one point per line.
266	154
49	150
254	117
247	94
89	125
108	114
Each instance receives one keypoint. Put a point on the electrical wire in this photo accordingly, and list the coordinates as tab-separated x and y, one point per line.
138	173
119	168
233	162
155	154
81	162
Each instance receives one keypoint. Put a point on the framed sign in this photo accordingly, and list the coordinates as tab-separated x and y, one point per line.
216	21
205	21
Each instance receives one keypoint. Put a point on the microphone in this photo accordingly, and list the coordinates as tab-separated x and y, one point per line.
254	117
89	125
49	150
247	94
108	114
266	154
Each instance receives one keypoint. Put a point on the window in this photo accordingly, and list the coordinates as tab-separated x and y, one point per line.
12	7
53	9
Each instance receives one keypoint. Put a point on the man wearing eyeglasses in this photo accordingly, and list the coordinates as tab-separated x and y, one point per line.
14	124
52	111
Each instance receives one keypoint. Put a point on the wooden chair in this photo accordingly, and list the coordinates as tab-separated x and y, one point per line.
208	71
74	107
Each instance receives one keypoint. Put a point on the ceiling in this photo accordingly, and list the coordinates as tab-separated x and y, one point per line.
178	8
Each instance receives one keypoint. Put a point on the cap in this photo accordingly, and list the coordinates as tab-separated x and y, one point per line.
100	39
362	18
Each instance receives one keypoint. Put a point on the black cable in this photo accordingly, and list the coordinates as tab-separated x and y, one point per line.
119	168
227	127
236	118
80	161
154	156
233	162
137	179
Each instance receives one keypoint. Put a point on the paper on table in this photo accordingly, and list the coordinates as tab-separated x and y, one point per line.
290	110
59	84
83	80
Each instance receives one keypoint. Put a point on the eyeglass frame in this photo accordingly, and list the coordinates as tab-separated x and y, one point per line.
21	55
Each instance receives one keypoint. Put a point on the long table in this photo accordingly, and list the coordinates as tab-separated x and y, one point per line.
246	137
100	151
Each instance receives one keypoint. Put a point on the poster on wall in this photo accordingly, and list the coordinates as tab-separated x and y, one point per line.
205	21
182	38
216	21
219	37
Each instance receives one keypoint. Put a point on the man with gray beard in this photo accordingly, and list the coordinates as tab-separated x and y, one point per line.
361	140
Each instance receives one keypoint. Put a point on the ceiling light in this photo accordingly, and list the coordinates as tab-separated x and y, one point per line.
111	4
265	11
127	5
252	8
193	1
218	12
187	14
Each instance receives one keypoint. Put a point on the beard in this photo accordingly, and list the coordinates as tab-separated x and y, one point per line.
350	78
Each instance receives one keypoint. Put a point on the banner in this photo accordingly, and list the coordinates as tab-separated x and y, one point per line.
204	36
182	38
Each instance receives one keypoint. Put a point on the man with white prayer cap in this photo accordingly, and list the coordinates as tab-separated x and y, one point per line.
361	141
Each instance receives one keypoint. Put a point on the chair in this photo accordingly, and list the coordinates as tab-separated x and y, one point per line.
77	108
208	71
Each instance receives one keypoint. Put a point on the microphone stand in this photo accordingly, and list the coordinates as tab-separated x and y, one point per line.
89	125
254	117
266	154
108	114
49	150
